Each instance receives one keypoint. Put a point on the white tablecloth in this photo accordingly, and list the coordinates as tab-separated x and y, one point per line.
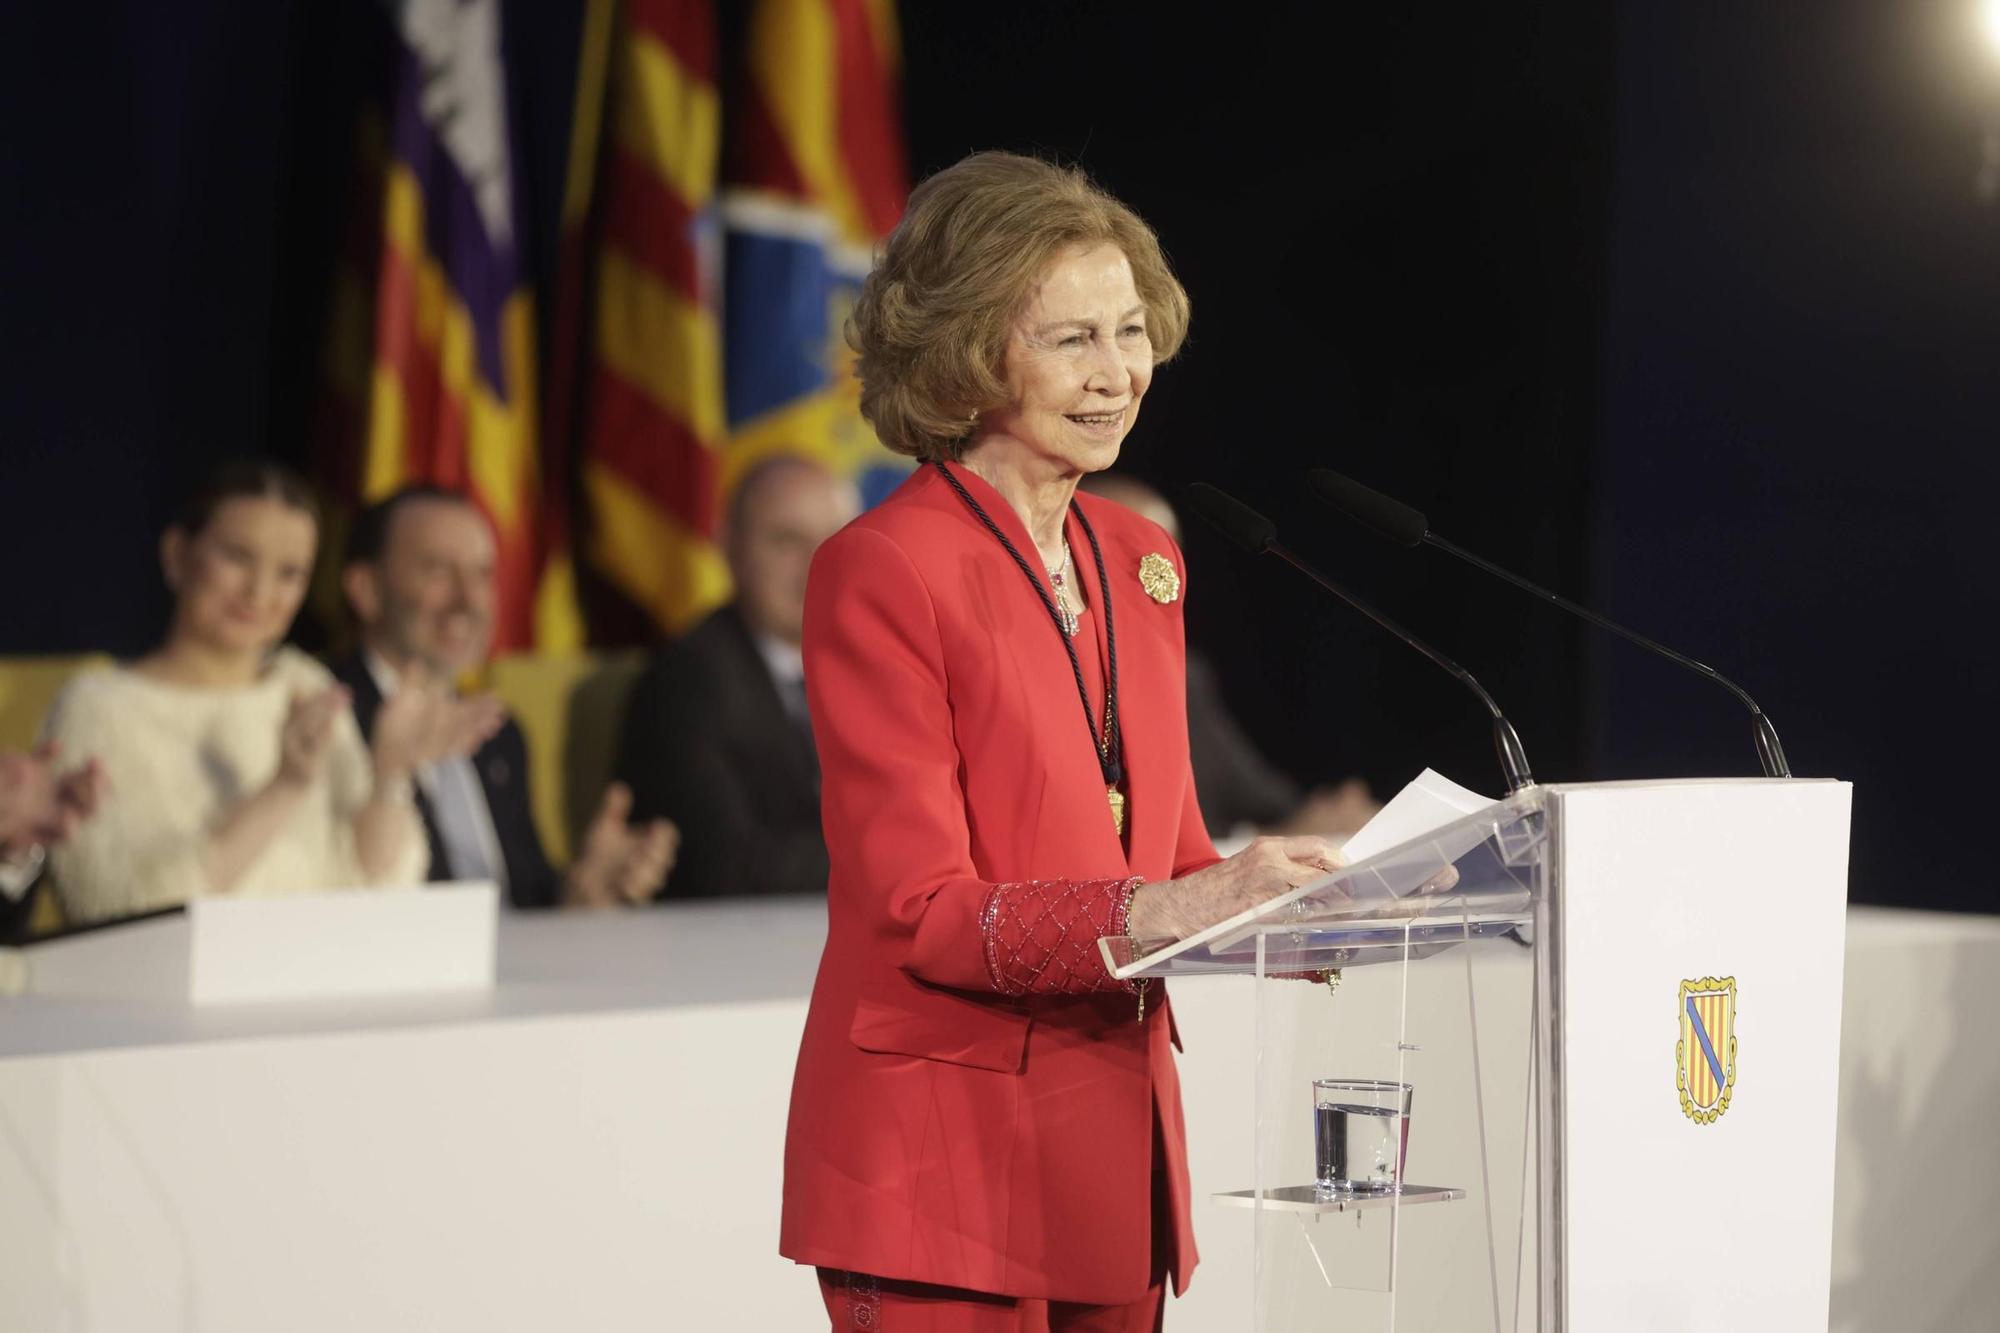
595	1145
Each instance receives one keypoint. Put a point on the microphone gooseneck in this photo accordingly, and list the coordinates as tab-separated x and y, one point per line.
1259	536
1405	526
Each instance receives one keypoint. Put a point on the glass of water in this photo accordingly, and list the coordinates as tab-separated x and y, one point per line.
1361	1134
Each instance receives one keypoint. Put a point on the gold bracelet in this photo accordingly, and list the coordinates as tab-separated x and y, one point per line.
1139	983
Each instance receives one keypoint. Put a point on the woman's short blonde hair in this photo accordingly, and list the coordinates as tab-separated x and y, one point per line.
932	322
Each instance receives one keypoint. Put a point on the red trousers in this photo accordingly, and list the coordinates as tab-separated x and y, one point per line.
858	1303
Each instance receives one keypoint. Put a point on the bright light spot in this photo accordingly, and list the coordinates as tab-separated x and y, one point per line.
1989	23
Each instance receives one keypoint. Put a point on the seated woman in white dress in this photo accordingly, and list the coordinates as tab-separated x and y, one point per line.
232	763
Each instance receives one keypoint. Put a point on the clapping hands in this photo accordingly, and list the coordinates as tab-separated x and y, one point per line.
38	803
304	735
618	862
425	721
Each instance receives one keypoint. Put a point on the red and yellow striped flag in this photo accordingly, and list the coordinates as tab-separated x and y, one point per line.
651	429
700	364
452	393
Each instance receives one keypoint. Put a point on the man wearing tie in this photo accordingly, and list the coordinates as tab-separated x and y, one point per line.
716	737
419	577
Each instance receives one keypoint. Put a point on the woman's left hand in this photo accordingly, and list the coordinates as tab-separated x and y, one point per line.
1267	867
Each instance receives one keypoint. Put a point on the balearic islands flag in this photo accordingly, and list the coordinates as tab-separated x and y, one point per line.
452	390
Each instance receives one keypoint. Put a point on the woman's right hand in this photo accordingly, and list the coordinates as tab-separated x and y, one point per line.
1260	872
240	837
303	739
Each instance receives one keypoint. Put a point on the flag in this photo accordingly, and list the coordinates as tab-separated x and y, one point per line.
650	428
818	176
452	389
714	333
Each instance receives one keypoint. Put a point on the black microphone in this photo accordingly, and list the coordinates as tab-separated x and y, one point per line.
1257	535
1408	527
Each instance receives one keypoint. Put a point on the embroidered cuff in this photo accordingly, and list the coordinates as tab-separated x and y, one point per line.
1041	934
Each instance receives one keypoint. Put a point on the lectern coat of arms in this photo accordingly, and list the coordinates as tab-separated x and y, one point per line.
1707	1049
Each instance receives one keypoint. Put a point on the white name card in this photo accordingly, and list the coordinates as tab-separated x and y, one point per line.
333	945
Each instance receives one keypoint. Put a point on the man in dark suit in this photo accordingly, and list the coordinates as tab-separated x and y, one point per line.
716	735
419	577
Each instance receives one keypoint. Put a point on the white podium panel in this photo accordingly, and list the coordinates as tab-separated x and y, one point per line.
1696	1164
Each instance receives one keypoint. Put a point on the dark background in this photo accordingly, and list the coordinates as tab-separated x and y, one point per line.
1688	311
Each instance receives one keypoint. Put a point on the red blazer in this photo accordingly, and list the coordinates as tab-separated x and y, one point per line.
975	1100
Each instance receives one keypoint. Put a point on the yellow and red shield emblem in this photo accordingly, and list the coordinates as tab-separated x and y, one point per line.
1707	1049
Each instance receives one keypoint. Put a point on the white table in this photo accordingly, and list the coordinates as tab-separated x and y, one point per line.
596	1143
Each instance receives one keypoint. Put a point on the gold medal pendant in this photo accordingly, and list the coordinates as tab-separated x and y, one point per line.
1117	799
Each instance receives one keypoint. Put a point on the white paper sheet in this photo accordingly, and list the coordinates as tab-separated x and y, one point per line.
1430	801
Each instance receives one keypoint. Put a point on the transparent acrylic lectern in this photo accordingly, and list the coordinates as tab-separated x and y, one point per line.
1532	1145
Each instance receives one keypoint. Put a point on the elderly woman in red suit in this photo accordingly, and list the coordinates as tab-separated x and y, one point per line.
985	1127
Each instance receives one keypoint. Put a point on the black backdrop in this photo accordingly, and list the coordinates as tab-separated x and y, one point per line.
1684	310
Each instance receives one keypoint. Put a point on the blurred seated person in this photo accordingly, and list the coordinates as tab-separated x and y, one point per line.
231	763
1234	784
716	735
420	580
40	804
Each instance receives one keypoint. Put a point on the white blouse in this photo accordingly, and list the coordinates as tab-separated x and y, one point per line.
177	758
